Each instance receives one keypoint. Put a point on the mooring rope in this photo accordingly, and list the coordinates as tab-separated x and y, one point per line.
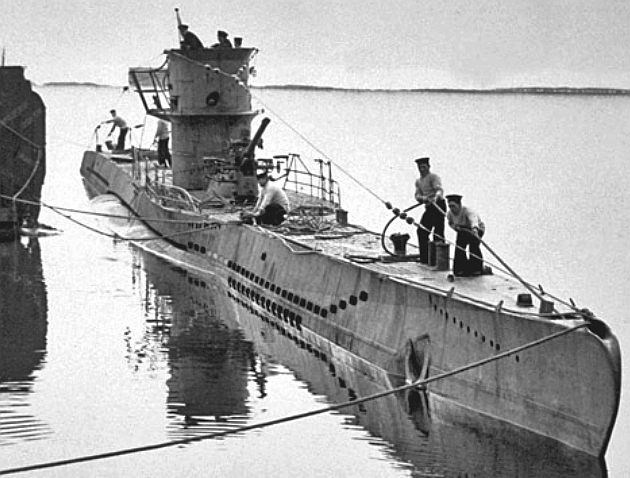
511	271
508	270
298	416
57	210
133	239
21	136
40	154
100	214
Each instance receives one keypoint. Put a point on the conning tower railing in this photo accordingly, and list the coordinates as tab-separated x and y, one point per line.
152	83
300	179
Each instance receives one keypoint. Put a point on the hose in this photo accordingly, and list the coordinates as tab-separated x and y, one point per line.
389	223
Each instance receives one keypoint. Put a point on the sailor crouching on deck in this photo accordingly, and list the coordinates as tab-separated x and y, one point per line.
273	204
470	229
429	192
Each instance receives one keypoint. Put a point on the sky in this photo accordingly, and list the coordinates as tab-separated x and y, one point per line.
345	43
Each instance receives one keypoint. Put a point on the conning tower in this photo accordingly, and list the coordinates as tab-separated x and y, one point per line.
204	93
210	109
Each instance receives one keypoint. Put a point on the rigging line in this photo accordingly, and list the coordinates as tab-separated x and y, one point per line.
73	143
512	272
176	221
298	416
100	214
307	141
409	220
21	136
132	239
217	70
508	272
40	154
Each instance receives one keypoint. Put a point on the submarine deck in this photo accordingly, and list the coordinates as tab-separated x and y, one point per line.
356	244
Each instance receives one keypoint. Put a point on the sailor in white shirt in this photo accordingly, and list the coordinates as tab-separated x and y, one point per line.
470	229
273	204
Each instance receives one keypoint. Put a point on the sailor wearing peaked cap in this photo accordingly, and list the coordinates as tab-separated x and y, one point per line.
429	192
272	206
454	197
470	229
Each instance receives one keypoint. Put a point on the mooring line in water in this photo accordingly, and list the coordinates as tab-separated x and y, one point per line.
99	214
298	416
131	239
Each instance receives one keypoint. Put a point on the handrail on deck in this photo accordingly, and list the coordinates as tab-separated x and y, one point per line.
300	179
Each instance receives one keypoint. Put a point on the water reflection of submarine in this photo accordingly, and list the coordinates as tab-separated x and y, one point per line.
23	329
434	443
209	361
430	434
24	309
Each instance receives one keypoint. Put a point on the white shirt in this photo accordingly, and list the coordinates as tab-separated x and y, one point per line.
466	218
162	130
271	193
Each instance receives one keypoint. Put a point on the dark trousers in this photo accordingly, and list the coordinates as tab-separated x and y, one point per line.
164	155
471	261
121	139
273	215
432	220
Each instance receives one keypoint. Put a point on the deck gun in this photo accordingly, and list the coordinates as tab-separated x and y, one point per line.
246	186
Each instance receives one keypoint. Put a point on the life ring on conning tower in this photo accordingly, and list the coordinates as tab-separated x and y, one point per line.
212	99
418	359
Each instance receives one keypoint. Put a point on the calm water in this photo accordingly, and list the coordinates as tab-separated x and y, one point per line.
104	347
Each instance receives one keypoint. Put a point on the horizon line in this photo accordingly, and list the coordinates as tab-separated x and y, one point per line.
290	86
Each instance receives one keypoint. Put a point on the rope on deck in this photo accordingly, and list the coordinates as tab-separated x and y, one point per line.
298	416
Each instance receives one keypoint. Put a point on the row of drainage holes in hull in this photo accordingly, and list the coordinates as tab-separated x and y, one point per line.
493	345
197	282
352	300
286	315
196	247
301	343
202	225
297	300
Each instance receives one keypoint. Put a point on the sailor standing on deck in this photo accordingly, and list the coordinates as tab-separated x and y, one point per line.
162	136
273	204
470	229
429	192
122	129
